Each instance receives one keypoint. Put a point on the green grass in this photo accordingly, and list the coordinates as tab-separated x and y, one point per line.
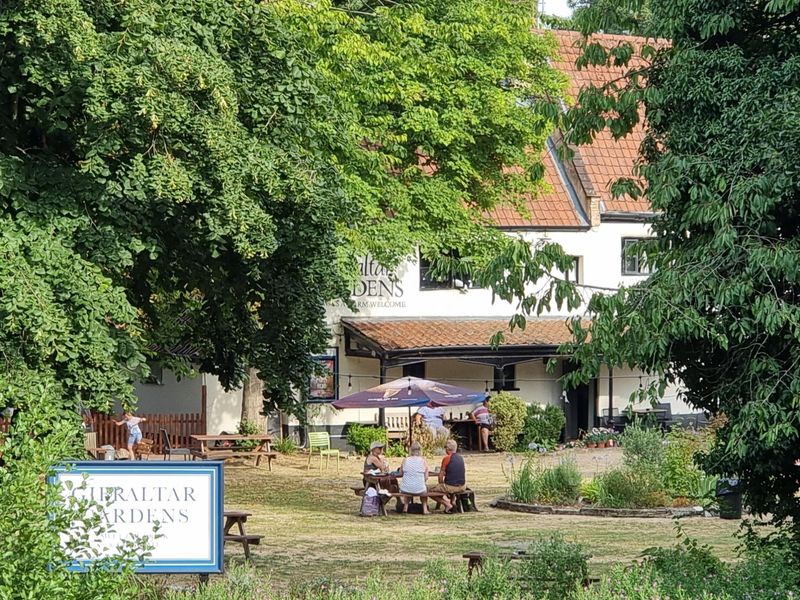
312	529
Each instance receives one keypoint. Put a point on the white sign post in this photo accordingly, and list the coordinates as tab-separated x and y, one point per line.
184	500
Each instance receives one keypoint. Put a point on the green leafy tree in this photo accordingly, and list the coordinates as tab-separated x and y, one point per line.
217	165
720	312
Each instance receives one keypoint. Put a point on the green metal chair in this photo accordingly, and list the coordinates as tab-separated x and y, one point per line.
321	441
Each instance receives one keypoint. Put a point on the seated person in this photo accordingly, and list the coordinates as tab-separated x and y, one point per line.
452	476
433	417
483	418
375	458
414	472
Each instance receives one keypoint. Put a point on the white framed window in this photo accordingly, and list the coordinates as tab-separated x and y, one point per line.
633	259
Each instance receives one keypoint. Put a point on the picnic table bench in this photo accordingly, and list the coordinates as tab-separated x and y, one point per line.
462	501
239	518
231	450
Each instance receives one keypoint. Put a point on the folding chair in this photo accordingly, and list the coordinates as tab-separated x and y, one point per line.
321	441
169	450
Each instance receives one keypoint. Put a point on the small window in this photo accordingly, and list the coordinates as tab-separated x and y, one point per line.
416	369
450	281
156	376
574	274
633	259
505	378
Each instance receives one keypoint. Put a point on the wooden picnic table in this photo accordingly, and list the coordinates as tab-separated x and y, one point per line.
388	482
239	518
261	449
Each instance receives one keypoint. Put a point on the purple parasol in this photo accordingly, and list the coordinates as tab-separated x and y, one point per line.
410	391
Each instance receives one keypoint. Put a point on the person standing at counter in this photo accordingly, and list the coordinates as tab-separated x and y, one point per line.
485	421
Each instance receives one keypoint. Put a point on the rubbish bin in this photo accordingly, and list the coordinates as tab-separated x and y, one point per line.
109	452
729	499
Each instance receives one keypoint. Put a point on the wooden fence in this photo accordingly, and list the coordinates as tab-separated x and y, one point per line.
179	427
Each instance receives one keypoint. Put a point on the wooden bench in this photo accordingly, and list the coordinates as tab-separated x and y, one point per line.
397	428
239	518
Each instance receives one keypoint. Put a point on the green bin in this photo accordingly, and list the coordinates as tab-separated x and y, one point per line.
729	499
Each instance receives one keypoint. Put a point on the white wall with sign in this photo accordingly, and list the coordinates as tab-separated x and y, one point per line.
184	499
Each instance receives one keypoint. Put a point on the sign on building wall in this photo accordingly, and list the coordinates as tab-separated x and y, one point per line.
184	500
378	287
323	387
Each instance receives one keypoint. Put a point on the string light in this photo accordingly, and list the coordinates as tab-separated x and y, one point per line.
350	381
409	386
486	386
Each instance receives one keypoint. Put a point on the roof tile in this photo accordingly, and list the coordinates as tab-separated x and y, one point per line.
408	334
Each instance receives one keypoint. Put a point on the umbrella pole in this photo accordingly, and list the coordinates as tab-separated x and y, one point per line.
410	428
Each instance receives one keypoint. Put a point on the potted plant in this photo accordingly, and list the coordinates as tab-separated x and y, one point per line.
602	438
590	440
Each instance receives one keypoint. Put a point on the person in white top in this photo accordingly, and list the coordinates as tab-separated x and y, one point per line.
134	432
414	472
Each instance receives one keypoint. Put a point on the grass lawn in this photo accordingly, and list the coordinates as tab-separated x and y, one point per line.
311	526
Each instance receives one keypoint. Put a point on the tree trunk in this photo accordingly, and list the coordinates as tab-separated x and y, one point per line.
253	399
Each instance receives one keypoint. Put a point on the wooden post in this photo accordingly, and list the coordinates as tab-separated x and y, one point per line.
382	411
203	405
610	397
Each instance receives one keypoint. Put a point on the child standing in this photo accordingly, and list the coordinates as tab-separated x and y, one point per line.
134	433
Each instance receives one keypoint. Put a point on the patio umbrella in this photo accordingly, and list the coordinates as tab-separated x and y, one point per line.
408	392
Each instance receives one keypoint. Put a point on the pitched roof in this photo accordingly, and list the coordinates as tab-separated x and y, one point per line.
551	208
606	159
414	334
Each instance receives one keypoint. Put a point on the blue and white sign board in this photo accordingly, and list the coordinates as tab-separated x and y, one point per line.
184	499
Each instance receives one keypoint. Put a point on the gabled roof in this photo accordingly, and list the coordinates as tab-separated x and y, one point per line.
606	159
555	208
595	167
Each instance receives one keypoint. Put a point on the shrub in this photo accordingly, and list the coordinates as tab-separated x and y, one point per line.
560	484
248	427
509	413
396	449
556	485
681	474
432	442
34	515
285	445
626	488
361	436
642	448
542	425
590	490
524	484
553	568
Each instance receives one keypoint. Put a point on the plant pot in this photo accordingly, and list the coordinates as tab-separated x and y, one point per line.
591	445
610	443
601	444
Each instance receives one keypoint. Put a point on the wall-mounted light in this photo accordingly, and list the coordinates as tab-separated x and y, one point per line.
350	382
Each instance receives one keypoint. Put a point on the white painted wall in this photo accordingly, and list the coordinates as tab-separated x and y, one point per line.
173	397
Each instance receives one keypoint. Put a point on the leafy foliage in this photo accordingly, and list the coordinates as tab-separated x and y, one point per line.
509	414
34	515
361	436
204	173
642	448
553	568
285	445
543	425
719	313
629	488
555	485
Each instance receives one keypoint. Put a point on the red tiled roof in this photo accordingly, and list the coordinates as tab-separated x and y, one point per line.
550	208
606	159
408	334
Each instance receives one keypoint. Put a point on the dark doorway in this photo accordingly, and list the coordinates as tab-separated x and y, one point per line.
576	407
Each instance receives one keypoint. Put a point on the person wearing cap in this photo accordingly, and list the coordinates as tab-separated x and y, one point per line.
414	472
375	458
